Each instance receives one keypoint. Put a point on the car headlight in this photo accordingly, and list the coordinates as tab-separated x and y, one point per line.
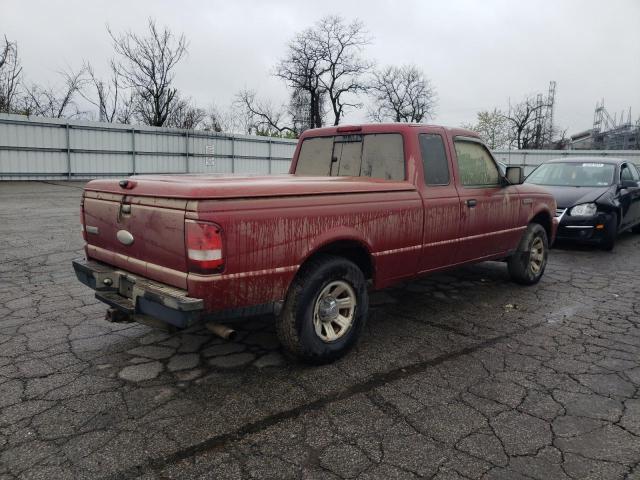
584	210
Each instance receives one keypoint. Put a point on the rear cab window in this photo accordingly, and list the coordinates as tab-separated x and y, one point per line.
375	155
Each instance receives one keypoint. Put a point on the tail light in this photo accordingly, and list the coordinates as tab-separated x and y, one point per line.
84	231
204	246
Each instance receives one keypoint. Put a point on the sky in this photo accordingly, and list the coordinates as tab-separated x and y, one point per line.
477	54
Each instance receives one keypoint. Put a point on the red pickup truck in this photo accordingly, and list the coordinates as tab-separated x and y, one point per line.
362	207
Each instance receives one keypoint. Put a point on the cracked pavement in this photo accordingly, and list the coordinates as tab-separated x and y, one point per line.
462	375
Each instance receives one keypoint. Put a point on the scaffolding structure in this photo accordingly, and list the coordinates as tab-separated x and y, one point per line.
543	120
613	132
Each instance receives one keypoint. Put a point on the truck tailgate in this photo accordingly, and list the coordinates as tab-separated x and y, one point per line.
142	229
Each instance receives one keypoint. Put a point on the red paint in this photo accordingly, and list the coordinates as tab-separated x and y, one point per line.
272	224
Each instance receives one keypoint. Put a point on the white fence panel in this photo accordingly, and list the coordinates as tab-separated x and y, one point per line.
43	148
39	148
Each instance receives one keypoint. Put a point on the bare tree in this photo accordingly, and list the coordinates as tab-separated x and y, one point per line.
524	128
493	128
325	61
147	66
340	47
10	75
263	117
402	94
230	120
301	69
115	103
185	115
214	121
55	102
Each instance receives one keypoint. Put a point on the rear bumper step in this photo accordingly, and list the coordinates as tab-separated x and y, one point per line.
117	301
135	295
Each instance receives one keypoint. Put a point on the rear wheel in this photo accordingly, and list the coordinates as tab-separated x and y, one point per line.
325	310
527	264
610	233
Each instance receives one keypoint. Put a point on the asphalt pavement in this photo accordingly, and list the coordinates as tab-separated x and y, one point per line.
462	375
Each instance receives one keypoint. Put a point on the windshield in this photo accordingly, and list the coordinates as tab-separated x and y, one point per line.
573	174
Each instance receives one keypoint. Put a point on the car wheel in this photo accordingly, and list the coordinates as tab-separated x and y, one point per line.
611	233
325	310
527	264
636	229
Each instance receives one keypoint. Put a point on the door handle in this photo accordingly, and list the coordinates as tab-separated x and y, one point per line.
472	202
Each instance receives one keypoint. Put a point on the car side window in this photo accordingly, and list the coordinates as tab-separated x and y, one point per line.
634	172
434	159
625	173
475	164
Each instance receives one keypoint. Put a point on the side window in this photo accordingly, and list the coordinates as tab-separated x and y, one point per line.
383	156
625	173
475	164
434	159
634	172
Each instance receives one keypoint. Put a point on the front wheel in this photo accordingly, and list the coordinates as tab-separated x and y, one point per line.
527	264
325	310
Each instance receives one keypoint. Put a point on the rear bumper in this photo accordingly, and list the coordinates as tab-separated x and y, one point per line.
137	295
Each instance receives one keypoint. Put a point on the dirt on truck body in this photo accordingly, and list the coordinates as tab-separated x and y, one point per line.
362	204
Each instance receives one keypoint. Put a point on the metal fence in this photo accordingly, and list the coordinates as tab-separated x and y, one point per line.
42	148
52	149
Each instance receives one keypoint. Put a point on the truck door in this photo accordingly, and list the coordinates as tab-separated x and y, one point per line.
490	210
441	203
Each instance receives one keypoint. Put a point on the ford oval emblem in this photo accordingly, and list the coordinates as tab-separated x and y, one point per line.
124	237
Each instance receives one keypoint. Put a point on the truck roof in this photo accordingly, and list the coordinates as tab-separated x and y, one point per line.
398	127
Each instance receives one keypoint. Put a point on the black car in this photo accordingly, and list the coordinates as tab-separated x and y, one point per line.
597	197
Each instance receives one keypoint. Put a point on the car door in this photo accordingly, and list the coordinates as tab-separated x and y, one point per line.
490	208
440	200
629	197
636	199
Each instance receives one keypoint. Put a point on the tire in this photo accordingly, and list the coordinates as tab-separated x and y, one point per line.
636	229
306	325
527	264
611	233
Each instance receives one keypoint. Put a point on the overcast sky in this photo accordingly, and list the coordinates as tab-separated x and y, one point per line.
478	54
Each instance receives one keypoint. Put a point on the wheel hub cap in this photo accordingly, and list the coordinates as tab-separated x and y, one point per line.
334	311
327	309
536	256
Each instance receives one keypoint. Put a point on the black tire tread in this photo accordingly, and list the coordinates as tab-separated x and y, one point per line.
515	264
286	328
610	241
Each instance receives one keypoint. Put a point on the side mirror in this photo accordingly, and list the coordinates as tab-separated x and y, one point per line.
628	184
514	175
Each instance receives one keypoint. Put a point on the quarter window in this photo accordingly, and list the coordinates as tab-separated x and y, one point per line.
434	159
476	166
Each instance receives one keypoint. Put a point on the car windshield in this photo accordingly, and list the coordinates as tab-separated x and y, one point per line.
573	174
